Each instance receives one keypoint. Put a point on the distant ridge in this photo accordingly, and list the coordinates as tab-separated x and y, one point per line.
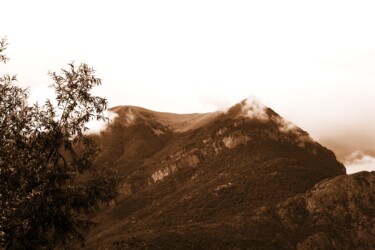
176	122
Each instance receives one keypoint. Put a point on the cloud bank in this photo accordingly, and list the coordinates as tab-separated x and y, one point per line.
359	161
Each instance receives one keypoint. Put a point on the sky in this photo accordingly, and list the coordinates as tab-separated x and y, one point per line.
313	62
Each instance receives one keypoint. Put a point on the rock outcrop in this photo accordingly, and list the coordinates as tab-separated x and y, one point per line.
338	213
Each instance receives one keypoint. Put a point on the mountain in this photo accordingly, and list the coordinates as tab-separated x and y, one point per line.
337	213
234	179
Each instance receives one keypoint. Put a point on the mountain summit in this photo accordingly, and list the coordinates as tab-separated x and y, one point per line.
220	180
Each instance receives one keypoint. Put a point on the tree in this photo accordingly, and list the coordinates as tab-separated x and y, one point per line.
48	179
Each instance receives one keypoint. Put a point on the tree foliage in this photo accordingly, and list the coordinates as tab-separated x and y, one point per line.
48	179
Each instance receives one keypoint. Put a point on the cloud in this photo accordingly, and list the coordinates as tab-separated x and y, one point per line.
287	127
359	161
95	127
254	109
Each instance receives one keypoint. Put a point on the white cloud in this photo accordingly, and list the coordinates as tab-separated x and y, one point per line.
96	127
358	161
254	109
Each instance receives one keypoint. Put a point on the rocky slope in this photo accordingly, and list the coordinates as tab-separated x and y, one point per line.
221	180
338	213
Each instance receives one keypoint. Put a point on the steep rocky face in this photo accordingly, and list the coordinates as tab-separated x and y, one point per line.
206	180
338	213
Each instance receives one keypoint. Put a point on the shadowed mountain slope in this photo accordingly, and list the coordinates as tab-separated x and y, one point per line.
206	181
338	213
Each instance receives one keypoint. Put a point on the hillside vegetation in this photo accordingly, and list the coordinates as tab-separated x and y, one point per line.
240	179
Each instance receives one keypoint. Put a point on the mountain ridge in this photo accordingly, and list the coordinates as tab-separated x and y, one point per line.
184	176
176	122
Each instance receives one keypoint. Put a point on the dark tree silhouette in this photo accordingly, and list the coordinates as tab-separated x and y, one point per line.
48	181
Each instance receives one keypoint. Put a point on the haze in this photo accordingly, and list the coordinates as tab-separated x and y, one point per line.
312	62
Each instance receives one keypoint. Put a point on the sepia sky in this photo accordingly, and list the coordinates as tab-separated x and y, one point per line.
313	62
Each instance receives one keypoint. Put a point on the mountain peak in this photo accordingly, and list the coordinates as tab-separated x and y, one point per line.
186	173
254	109
257	115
